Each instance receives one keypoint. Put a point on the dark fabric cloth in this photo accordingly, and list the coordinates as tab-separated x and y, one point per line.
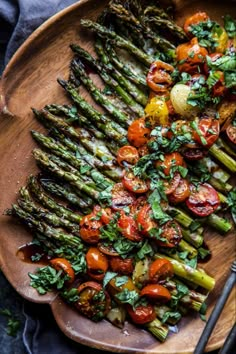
19	18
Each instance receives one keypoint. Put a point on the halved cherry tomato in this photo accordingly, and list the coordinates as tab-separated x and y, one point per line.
107	249
231	133
121	197
160	269
219	89
105	214
90	228
138	133
156	292
141	314
213	57
181	193
158	77
193	154
195	19
121	266
137	205
170	160
127	155
64	265
207	132
134	184
143	150
171	231
145	221
90	304
203	199
190	56
196	78
171	184
128	227
97	263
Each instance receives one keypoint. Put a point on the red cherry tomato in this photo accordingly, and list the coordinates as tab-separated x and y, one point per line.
171	184
137	205
138	133
190	56
195	19
90	228
90	304
128	227
107	249
156	292
104	214
170	160
121	266
141	314
134	184
207	132
219	89
143	150
203	199
127	155
121	197
231	133
158	77
145	221
64	265
160	269
213	57
194	154
97	263
181	193
171	231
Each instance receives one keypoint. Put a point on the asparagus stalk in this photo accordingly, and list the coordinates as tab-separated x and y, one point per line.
138	79
110	128
78	163
159	330
133	23
184	271
115	83
222	145
27	204
223	158
166	24
121	117
185	246
44	161
95	146
49	203
194	238
44	228
120	42
109	167
221	224
66	192
215	170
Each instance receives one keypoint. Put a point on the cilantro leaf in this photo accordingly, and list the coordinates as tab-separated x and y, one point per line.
230	26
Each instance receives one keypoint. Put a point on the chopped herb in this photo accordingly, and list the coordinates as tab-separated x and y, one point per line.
121	280
230	26
182	290
128	297
84	169
13	324
108	276
202	311
170	316
70	295
203	252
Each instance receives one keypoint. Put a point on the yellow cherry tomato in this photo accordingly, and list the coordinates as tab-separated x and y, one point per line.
157	112
222	40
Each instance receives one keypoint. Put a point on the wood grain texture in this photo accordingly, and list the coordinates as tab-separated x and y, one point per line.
28	81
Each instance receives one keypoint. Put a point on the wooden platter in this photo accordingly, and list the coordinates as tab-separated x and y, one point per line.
28	81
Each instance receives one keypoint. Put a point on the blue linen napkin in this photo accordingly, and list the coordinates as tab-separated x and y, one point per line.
19	18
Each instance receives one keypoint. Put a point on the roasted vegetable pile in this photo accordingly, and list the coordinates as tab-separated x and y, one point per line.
124	193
